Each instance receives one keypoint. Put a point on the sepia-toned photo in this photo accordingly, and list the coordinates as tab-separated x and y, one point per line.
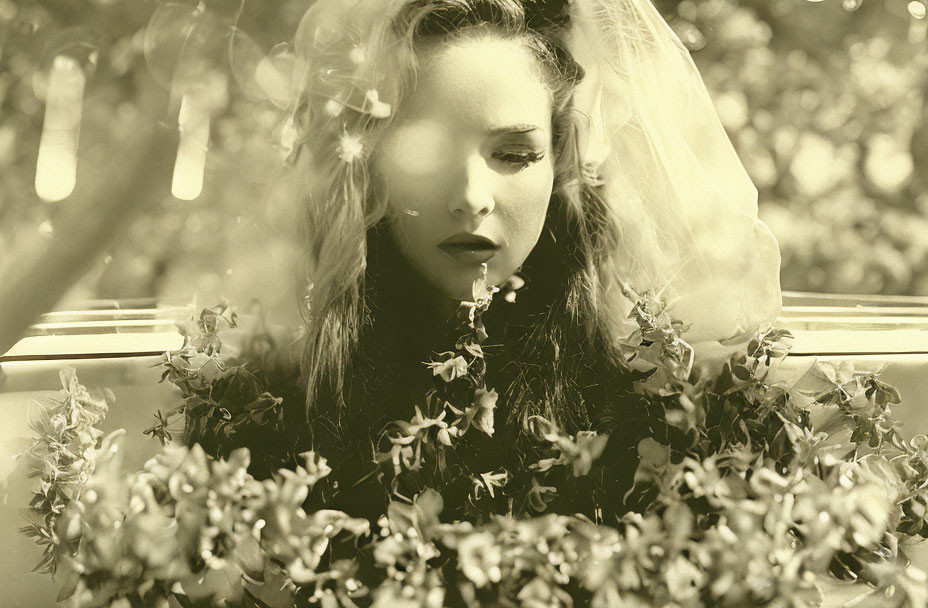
463	303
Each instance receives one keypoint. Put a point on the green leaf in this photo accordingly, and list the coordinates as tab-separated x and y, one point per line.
185	601
256	602
68	584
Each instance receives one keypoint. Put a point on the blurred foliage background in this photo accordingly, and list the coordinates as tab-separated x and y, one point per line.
826	103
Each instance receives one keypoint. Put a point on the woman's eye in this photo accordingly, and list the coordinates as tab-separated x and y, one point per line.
520	159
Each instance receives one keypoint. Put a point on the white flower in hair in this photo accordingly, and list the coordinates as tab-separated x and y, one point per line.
288	136
333	107
349	147
375	107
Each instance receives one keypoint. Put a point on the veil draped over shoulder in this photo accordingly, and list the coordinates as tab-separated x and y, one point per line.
685	204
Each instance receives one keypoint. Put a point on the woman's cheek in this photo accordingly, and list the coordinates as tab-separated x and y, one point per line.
533	194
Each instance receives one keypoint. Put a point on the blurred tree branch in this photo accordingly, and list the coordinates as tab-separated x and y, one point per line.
136	175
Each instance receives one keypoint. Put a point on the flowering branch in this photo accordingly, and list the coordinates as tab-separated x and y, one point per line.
62	457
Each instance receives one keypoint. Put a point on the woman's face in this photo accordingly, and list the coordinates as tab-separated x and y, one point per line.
468	167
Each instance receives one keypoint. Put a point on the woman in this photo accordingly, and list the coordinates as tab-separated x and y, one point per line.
445	140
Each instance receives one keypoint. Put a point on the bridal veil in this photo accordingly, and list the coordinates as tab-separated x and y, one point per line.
686	206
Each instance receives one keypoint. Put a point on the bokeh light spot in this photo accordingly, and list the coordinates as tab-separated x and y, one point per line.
419	148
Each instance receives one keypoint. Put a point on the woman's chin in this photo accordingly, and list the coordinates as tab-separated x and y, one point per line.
459	292
456	282
462	289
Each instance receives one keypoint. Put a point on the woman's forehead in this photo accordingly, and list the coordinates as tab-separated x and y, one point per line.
484	83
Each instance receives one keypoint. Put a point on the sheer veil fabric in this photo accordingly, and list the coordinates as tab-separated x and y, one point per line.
685	204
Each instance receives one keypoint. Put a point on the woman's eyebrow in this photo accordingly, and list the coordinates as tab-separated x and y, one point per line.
518	128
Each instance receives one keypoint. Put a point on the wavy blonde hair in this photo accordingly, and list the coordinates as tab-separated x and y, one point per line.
341	206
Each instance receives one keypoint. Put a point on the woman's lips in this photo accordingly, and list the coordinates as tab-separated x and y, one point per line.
469	253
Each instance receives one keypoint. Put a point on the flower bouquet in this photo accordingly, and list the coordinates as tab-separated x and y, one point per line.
744	493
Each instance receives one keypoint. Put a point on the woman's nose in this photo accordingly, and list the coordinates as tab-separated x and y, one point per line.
474	197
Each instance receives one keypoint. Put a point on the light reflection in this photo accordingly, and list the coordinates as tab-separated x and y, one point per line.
917	9
56	167
272	81
191	151
419	149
